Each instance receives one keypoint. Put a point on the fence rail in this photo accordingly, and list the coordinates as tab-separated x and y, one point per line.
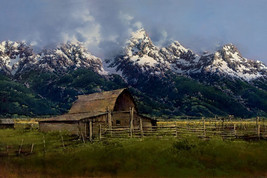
230	129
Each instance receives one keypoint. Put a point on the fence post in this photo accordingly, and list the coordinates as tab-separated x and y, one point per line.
83	139
62	140
20	147
44	144
90	130
131	121
257	122
85	128
258	128
235	130
187	122
109	122
176	133
263	126
100	132
32	147
204	127
141	127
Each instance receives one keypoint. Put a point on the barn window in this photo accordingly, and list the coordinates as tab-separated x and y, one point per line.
118	122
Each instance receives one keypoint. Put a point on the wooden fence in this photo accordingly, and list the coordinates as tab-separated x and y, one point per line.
205	128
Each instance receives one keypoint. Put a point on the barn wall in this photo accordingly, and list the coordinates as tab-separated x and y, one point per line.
146	122
96	121
71	127
120	119
124	119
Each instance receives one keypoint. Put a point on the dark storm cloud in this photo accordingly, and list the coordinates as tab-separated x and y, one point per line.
105	25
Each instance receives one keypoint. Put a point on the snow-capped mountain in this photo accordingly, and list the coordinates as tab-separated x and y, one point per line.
180	59
69	56
141	56
15	57
229	62
18	57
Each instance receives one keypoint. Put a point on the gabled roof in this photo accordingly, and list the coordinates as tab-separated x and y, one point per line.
96	102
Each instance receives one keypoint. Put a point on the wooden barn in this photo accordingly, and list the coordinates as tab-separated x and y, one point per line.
88	112
6	123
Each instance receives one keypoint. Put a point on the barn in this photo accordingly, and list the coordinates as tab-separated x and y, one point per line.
88	112
6	123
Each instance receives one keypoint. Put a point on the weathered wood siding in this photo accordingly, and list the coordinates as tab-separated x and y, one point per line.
96	121
71	127
146	122
123	119
124	102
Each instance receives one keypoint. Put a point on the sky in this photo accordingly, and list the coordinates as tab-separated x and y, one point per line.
105	25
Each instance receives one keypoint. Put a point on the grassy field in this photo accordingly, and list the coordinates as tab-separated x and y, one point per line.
136	157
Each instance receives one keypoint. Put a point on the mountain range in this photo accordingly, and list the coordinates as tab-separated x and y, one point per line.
166	82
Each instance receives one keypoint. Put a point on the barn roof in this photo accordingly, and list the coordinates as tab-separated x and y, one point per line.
73	117
6	121
96	102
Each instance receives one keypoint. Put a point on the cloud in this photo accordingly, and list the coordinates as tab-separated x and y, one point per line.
105	25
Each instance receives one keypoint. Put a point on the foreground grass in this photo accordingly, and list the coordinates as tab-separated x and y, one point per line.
152	157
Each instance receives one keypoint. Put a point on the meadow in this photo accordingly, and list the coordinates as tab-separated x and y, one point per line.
26	152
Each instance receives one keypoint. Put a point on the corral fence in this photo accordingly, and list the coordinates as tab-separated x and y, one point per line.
253	129
227	128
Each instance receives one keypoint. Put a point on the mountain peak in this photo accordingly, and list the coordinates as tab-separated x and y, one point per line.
140	33
176	45
229	62
70	55
11	45
139	36
230	48
139	44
